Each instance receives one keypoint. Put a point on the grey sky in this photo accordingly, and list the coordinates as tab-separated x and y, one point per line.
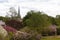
50	7
1	1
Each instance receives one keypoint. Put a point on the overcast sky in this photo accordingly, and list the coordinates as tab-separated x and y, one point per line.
50	7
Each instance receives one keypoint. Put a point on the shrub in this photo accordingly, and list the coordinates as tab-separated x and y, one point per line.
58	31
15	24
11	36
10	29
34	35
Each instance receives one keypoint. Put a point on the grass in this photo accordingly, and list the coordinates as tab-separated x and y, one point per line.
51	38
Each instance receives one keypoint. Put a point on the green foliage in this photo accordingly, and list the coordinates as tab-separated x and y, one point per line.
58	31
52	20
51	38
58	20
11	36
4	38
34	35
36	20
4	18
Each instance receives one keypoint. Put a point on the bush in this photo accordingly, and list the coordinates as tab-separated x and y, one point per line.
11	36
15	24
34	35
44	33
26	36
58	31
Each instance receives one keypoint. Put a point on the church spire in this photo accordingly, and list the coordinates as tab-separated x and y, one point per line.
19	12
19	16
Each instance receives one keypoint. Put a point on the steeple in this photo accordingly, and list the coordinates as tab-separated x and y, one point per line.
19	16
19	12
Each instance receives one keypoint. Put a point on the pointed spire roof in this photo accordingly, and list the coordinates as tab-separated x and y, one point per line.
19	16
19	12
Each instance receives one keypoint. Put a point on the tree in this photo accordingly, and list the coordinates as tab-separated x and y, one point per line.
12	13
52	20
36	20
15	19
4	18
58	20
